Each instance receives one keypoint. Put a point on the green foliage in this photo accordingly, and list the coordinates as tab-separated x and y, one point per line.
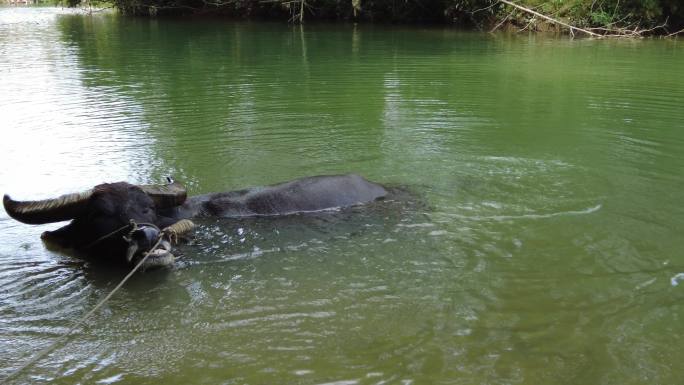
601	18
478	13
612	14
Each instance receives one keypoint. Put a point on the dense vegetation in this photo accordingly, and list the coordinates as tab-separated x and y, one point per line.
606	16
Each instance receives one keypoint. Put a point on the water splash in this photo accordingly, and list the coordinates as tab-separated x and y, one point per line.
674	281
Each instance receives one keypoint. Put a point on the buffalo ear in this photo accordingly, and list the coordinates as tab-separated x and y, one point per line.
64	237
165	196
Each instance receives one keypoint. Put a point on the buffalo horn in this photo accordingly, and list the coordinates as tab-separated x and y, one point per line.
58	209
181	227
170	195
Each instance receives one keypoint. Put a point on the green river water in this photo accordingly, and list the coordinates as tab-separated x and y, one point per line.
539	243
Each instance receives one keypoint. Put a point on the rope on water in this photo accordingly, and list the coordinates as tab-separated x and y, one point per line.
82	320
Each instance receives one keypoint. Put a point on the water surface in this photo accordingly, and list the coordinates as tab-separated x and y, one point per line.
538	248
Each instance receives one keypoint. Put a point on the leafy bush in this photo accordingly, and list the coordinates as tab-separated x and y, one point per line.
478	13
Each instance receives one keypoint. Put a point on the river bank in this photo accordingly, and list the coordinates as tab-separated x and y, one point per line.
635	18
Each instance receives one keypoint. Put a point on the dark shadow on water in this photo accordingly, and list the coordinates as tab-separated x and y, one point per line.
104	273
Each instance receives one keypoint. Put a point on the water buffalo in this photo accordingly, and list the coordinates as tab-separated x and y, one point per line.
122	221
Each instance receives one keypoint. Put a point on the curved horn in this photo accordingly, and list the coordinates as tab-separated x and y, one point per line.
58	209
170	195
178	229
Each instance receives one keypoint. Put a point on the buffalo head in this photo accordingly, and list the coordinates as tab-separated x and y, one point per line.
117	221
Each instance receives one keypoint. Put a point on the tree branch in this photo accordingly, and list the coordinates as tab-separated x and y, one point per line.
550	19
676	33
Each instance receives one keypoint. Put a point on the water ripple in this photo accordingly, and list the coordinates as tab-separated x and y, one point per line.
538	210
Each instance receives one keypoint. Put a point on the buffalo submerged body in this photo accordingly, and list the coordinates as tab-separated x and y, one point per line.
123	222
